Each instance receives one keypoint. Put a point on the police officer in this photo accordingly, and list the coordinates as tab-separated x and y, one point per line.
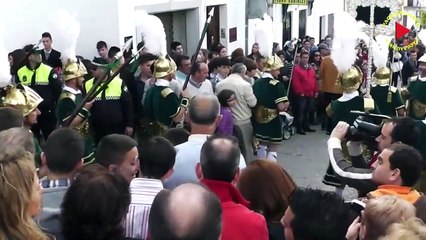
69	99
46	83
416	93
387	98
271	99
162	106
112	110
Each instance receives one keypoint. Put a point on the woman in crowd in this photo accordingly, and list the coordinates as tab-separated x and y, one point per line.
20	195
267	186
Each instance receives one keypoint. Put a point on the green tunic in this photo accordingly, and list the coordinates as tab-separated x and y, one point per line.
66	104
161	105
380	96
269	92
341	111
37	153
417	90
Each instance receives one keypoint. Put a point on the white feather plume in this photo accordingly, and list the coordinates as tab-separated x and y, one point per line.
380	51
68	31
4	64
346	34
153	33
263	33
422	35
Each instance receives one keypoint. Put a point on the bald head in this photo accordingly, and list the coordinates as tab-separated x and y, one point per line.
188	212
17	136
204	109
220	158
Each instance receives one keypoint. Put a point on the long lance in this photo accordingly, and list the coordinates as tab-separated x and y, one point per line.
94	91
200	42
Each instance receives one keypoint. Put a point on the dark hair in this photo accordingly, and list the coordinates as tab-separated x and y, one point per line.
250	64
205	114
268	187
157	157
146	57
101	44
179	60
174	45
237	53
95	205
409	162
113	148
224	96
196	67
205	223
405	130
220	161
304	53
46	35
19	56
10	117
319	215
113	51
221	61
176	135
64	150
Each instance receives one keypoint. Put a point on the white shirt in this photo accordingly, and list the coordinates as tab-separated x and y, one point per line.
71	90
204	87
348	96
241	112
187	157
143	192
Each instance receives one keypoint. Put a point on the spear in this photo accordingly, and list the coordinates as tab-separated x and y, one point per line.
94	91
200	42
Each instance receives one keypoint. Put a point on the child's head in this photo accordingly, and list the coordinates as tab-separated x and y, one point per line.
227	98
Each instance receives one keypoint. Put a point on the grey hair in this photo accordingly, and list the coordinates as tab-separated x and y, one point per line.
205	114
239	68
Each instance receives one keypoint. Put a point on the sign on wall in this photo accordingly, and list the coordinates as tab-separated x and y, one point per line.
291	2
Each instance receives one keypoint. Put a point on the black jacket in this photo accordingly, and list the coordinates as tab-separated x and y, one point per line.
54	59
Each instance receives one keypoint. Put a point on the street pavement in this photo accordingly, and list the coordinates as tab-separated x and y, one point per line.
305	158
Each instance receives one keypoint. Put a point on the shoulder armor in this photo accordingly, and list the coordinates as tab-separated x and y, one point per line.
393	89
67	95
368	104
273	82
166	91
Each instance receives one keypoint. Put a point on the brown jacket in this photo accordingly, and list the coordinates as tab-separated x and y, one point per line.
328	76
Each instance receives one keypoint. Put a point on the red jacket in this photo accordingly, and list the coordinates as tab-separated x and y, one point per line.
304	82
238	222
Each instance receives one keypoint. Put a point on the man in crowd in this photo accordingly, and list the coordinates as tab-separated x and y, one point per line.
102	48
188	212
410	68
63	156
112	110
357	173
416	93
157	160
197	82
50	56
218	170
183	63
46	83
305	89
241	112
204	117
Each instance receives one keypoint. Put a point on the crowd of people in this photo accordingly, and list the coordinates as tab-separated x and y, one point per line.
185	147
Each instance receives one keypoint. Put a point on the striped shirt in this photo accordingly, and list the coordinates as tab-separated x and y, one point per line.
143	192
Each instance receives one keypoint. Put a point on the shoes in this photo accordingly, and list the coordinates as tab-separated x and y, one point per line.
301	132
309	130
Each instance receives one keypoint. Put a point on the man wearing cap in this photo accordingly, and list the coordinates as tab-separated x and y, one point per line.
46	83
271	99
112	110
162	106
387	97
416	93
69	99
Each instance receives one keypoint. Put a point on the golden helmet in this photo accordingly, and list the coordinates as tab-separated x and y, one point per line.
272	63
382	75
74	70
163	67
351	79
22	98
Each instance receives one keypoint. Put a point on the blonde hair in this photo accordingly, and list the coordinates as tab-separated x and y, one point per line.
413	229
17	176
381	212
